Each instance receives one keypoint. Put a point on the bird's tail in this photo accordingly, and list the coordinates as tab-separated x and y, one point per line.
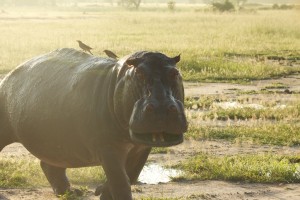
90	52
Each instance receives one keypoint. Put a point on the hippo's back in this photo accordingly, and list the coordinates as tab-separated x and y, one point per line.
54	103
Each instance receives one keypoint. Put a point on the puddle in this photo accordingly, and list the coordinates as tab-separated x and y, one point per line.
280	107
154	174
230	105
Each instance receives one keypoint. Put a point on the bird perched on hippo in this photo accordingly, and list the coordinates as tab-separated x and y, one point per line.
110	54
84	47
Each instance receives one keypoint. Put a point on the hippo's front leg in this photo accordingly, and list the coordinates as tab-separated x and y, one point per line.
117	186
135	162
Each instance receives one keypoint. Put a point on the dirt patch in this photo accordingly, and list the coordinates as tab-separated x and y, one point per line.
197	89
218	190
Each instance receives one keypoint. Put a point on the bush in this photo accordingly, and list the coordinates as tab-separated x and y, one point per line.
275	6
282	7
286	7
171	5
222	7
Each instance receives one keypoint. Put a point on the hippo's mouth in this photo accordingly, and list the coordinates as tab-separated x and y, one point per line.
161	139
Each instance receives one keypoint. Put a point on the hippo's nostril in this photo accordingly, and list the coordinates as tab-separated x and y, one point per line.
172	109
149	107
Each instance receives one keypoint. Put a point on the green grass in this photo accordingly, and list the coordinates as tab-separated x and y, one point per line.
231	47
264	168
277	86
202	102
274	134
215	102
24	173
218	69
202	38
159	150
246	113
275	123
81	193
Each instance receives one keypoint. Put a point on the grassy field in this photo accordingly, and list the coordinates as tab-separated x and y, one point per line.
235	47
266	168
228	47
262	119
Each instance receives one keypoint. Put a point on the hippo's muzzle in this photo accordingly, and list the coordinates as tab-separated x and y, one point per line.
158	123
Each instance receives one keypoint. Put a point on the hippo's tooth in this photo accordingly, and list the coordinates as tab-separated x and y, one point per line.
153	137
161	137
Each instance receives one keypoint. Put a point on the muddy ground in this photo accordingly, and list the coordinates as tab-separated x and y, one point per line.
216	190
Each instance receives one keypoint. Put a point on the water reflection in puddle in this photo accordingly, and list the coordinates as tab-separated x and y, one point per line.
231	105
154	174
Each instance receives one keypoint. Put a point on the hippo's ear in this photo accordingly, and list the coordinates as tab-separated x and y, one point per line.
133	61
176	59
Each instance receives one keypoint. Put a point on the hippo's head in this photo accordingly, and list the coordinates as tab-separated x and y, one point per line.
149	99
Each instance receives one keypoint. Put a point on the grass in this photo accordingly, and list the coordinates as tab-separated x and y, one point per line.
203	39
247	113
277	86
264	168
82	191
20	173
159	150
199	103
24	173
231	47
274	122
218	69
282	134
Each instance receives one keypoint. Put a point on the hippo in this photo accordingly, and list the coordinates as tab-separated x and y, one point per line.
71	109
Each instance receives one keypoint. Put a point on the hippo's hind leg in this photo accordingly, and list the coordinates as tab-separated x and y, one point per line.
56	177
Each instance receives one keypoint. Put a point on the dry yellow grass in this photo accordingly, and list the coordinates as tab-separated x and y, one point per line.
201	38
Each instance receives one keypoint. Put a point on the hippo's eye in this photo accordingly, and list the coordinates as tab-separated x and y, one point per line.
139	74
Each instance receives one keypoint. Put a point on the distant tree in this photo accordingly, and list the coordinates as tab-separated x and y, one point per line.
171	5
222	7
286	7
275	6
130	3
282	7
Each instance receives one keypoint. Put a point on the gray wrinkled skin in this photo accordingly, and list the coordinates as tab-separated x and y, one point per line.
70	109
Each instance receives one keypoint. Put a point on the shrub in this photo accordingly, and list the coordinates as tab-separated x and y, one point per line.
171	5
222	7
275	6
